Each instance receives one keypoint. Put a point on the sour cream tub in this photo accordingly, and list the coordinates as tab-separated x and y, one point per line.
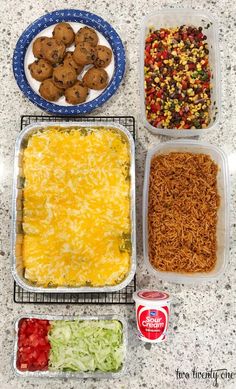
152	315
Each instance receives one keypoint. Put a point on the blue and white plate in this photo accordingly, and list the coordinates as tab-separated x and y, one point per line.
43	26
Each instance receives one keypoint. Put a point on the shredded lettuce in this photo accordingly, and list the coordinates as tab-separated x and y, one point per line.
87	345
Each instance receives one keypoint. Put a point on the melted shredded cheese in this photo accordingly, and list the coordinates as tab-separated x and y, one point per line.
76	217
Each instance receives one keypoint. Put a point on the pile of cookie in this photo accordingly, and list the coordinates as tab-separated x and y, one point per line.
58	69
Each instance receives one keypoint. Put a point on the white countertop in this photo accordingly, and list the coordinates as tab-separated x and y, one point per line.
203	320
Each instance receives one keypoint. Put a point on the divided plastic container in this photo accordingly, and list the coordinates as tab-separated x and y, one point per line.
173	18
219	157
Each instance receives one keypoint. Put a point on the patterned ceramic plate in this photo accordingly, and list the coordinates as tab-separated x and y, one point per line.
43	26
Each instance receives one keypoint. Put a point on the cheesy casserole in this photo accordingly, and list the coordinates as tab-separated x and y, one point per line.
76	209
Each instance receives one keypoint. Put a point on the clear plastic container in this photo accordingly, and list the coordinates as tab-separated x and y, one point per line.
176	17
219	157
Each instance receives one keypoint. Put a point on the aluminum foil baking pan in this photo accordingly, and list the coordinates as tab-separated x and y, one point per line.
17	209
82	375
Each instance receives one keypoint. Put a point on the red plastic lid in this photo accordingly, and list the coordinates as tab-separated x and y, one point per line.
153	295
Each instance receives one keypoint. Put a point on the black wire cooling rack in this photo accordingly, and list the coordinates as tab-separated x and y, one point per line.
123	296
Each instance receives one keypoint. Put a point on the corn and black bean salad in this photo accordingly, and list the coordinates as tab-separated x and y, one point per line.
177	78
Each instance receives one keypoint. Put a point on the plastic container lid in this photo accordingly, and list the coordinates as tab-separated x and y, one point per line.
153	296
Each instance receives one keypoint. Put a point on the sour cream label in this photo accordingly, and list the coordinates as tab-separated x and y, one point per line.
152	314
152	323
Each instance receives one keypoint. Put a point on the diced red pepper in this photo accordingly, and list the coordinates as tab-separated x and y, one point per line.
158	120
162	34
150	38
164	54
191	66
152	90
200	35
191	38
155	107
205	85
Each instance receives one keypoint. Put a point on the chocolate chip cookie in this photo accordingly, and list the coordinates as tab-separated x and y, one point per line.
40	69
64	76
68	60
49	91
104	56
77	94
63	32
84	54
88	35
37	46
53	51
96	78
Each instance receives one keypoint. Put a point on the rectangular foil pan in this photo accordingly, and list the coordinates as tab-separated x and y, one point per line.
17	209
76	375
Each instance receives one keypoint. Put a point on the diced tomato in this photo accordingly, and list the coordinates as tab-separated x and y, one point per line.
42	359
184	84
33	344
23	366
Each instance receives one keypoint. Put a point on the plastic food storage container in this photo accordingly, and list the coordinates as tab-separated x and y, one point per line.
219	157
17	209
71	374
173	18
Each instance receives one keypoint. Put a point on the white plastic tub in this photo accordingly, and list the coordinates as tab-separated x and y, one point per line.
219	157
173	18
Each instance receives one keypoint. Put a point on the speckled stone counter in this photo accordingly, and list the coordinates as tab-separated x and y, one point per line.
203	320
